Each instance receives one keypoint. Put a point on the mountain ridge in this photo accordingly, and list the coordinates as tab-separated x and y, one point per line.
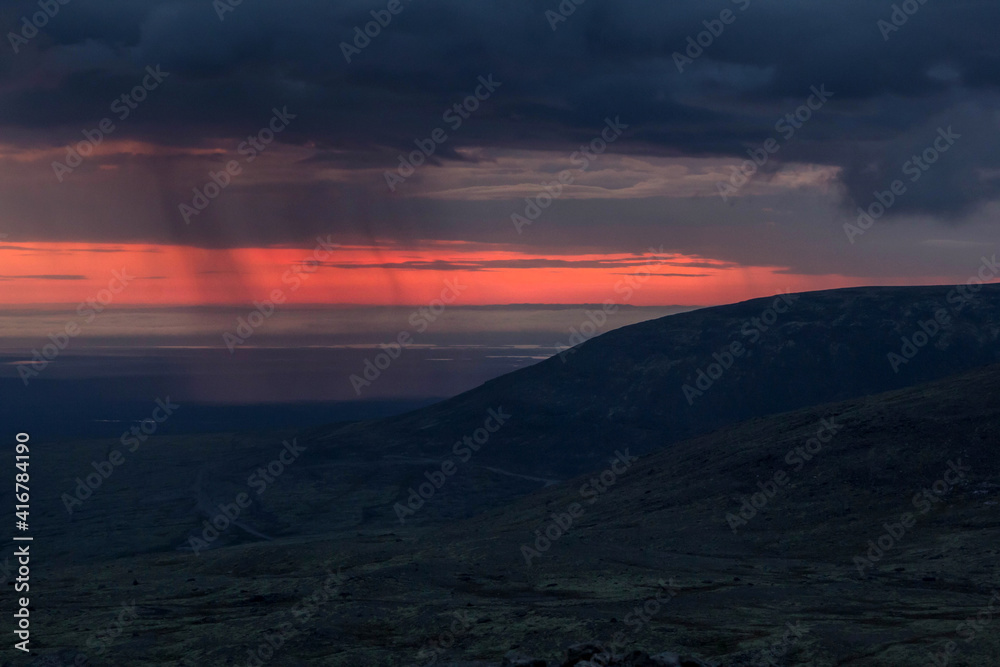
632	380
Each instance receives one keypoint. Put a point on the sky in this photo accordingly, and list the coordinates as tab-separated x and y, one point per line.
221	141
169	168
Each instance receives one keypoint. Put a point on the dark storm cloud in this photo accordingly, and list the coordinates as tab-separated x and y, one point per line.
608	59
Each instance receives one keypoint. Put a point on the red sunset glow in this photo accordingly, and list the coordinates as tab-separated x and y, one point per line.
182	275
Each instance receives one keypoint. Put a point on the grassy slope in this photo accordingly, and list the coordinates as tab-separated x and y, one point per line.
665	518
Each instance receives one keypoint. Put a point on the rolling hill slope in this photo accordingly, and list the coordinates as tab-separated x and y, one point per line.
870	526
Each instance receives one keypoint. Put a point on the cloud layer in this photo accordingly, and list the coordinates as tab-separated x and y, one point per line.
227	75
